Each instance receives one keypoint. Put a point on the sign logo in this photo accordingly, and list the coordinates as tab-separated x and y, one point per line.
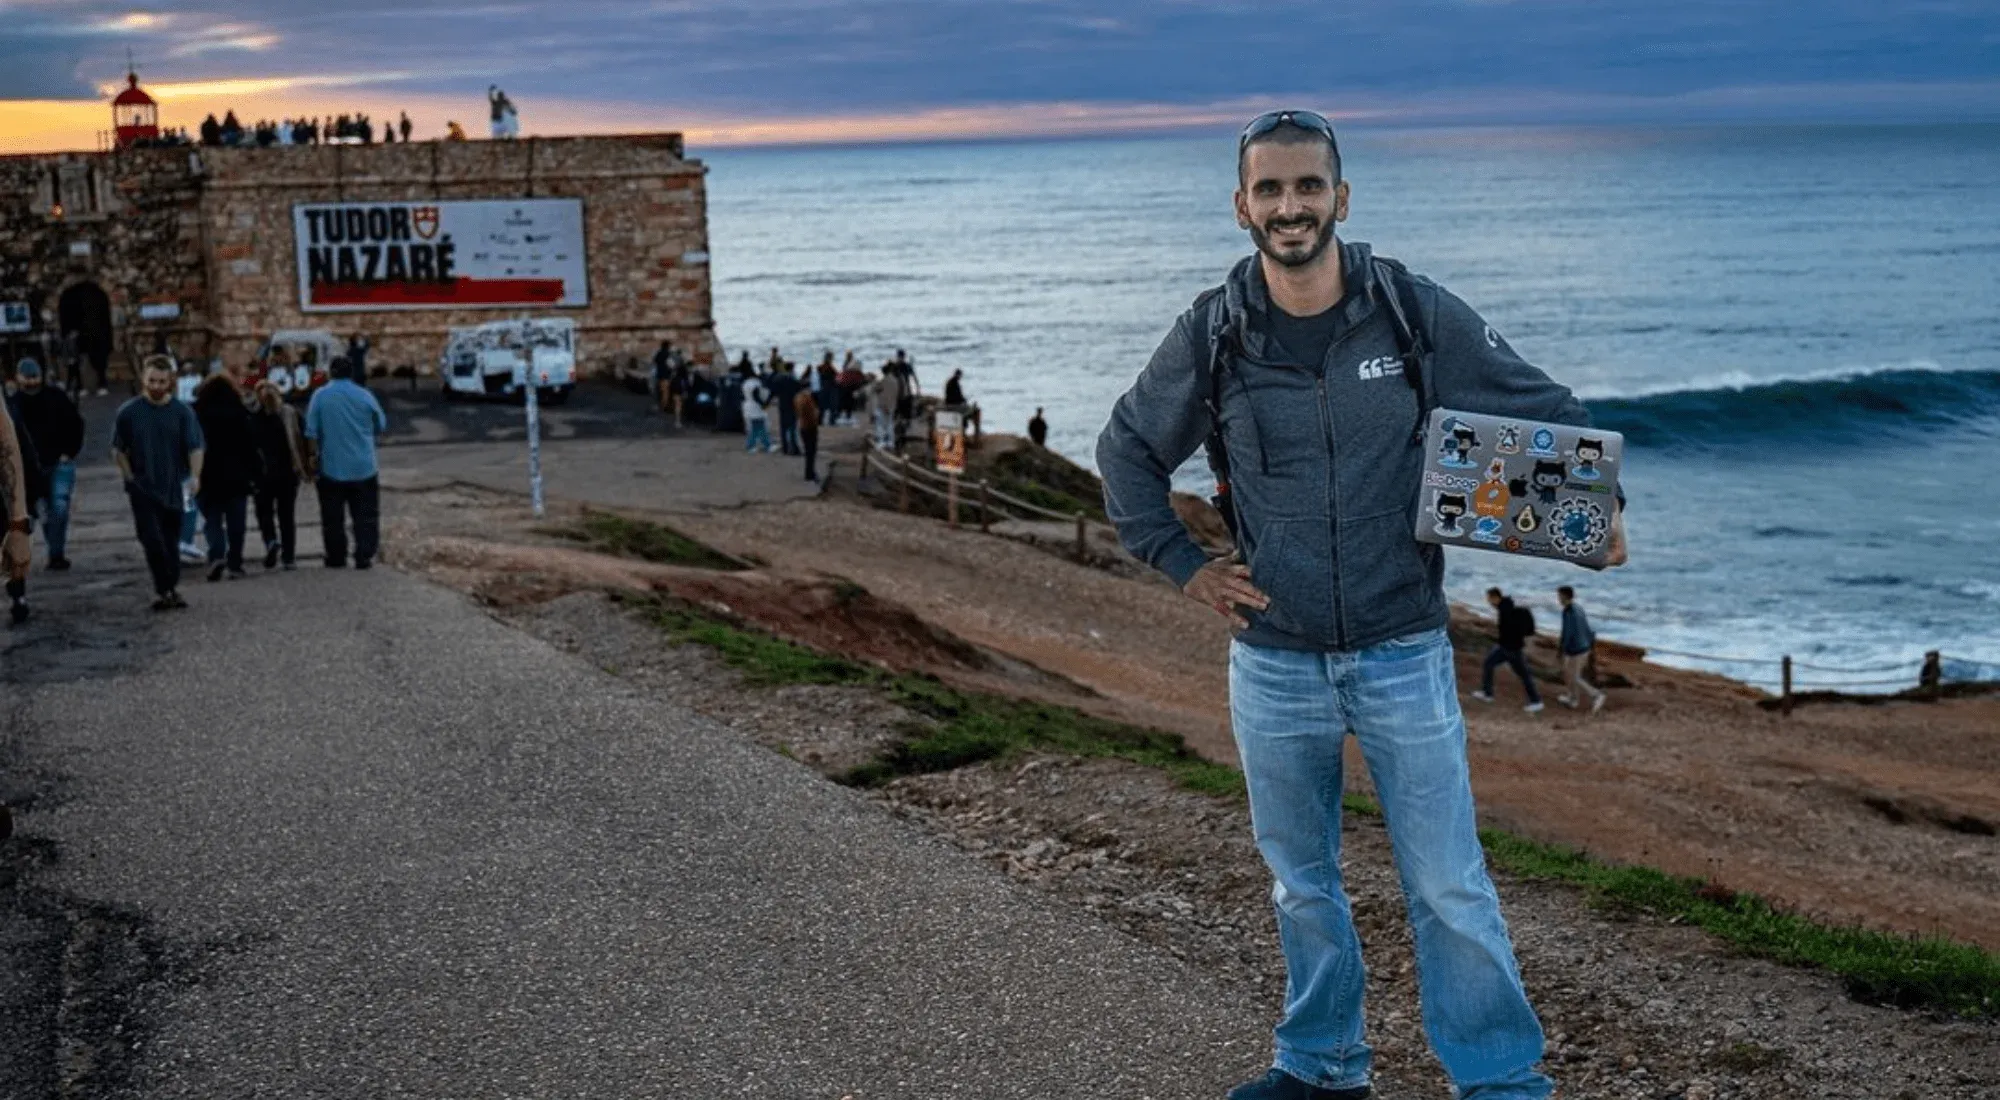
1542	444
1381	367
424	219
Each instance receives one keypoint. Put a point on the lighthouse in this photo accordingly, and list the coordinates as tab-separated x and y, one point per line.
134	115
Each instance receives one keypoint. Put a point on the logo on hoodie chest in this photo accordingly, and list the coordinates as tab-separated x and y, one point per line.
1382	366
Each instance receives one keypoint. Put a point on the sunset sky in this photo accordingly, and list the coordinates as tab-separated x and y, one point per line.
855	70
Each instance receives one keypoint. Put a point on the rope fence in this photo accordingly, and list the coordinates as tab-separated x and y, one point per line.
955	493
1928	673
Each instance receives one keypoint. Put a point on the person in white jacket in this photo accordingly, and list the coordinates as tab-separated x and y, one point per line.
756	418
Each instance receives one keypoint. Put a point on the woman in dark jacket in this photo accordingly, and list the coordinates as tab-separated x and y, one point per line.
229	471
283	451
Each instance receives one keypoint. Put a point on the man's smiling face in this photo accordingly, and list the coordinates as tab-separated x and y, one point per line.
1289	200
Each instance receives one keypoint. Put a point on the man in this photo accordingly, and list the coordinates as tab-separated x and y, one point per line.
663	370
1576	643
357	359
56	429
342	421
785	387
20	486
403	125
1340	612
1516	625
1038	429
806	411
158	446
954	390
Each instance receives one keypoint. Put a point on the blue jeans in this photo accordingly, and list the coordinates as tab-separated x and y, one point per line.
223	522
759	434
1292	712
1514	659
55	507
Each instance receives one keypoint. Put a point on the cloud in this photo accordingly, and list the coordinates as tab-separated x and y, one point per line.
775	62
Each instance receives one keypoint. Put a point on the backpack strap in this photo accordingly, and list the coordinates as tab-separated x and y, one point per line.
1412	345
1222	343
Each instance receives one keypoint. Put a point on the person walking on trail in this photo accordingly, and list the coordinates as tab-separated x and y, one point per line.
55	428
1576	643
281	449
342	423
806	411
1339	612
756	414
1038	429
230	471
1516	626
157	444
21	479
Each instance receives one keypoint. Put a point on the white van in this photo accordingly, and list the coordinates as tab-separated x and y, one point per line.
295	360
495	359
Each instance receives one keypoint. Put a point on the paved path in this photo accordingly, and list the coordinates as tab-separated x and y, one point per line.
341	834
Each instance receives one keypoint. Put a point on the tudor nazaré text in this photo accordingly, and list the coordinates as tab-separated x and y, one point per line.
367	244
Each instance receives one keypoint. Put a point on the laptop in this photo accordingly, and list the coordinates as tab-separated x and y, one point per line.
1519	486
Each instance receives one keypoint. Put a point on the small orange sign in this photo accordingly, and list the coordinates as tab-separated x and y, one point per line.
948	440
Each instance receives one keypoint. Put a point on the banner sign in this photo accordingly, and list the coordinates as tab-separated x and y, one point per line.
948	436
16	317
497	254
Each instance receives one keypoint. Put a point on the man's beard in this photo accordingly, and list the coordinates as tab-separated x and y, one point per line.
1262	236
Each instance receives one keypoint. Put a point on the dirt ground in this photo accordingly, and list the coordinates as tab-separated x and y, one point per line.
1877	814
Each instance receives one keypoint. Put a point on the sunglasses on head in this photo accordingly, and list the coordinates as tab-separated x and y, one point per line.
1271	120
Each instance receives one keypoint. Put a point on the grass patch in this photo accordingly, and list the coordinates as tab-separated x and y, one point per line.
1041	496
645	540
969	727
1877	967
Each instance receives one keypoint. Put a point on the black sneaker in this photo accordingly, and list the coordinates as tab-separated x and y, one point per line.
163	602
215	572
19	612
57	565
271	556
175	601
1279	1085
336	563
363	563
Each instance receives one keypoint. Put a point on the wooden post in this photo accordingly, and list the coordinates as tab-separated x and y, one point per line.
985	510
951	501
1785	704
1082	548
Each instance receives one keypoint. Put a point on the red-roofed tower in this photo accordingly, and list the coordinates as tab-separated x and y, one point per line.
134	114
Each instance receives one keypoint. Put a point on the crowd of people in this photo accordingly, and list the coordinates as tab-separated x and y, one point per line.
346	129
747	397
196	452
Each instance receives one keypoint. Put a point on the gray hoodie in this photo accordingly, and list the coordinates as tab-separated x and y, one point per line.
1323	466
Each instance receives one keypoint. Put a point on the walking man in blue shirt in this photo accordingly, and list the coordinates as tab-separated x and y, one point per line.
1296	375
1577	642
342	422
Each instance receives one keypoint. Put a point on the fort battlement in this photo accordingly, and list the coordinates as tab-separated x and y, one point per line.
198	245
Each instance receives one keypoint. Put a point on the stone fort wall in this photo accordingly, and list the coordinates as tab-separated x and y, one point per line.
208	231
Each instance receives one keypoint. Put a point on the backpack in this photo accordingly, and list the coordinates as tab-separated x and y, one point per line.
1522	620
1412	346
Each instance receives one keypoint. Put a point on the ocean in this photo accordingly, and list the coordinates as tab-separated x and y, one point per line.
1797	328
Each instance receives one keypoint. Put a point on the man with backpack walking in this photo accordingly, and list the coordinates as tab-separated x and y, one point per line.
1517	625
1308	375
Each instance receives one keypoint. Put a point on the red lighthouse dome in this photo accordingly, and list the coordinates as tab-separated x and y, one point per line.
134	114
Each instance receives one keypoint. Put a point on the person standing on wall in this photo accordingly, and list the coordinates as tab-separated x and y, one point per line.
1340	613
157	444
342	423
55	428
1038	429
283	452
1516	626
1577	642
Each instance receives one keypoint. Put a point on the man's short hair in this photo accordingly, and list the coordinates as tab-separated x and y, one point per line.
156	362
1566	592
340	368
1289	133
1494	594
